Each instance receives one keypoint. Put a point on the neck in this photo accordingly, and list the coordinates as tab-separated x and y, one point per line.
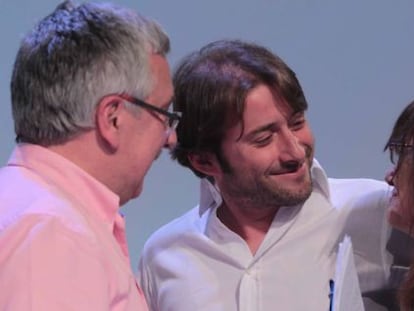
88	158
249	223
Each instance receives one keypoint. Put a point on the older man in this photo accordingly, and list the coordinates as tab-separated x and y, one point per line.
90	90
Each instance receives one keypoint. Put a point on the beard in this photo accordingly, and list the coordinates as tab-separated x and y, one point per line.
264	191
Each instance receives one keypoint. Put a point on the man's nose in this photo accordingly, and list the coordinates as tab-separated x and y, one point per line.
390	176
171	140
291	148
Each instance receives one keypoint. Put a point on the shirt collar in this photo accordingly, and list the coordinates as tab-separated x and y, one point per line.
93	196
210	194
320	179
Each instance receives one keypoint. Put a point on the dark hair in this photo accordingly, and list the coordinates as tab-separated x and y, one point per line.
403	132
211	86
71	59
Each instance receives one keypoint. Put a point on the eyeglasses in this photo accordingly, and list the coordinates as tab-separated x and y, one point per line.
398	151
172	118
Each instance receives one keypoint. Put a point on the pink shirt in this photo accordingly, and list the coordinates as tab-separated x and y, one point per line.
62	240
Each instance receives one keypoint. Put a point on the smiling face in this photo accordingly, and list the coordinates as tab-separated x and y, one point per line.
265	162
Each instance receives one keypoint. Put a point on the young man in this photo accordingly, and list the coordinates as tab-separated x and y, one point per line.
90	91
266	232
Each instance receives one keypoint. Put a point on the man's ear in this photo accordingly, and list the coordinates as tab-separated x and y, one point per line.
206	163
108	115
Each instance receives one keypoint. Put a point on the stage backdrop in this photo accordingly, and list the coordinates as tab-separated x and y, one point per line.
355	61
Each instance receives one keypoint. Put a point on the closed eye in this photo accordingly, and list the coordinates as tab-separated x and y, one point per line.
297	123
263	141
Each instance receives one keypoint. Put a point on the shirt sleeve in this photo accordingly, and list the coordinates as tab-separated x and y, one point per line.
47	266
143	280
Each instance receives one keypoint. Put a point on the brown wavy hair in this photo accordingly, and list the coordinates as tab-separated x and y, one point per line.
211	86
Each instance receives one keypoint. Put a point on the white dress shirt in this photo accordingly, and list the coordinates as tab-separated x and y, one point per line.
197	263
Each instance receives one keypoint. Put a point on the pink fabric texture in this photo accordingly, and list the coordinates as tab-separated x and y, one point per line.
62	239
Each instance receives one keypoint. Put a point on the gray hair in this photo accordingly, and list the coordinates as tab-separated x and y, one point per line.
72	59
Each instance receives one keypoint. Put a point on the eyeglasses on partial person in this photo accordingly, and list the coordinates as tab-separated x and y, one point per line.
171	118
398	151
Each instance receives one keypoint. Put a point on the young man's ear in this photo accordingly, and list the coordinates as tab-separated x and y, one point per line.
108	116
205	162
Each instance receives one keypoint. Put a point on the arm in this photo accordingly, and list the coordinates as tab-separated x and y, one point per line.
143	280
46	266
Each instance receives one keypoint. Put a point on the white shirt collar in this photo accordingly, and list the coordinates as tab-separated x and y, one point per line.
320	179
